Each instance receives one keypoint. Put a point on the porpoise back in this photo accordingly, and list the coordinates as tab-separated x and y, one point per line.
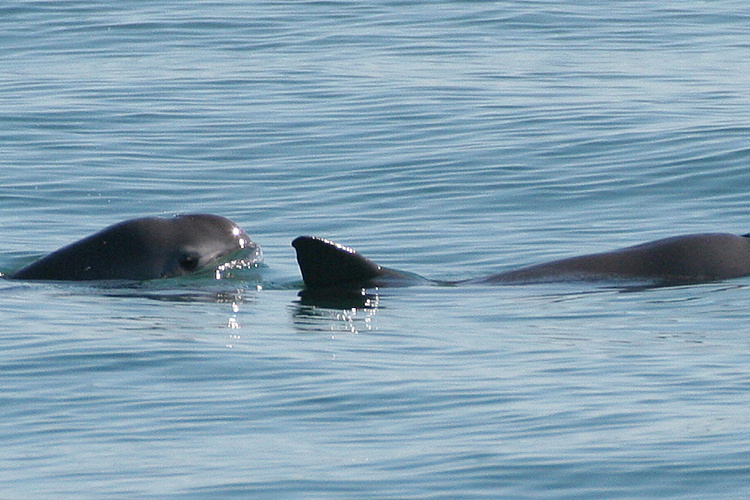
694	258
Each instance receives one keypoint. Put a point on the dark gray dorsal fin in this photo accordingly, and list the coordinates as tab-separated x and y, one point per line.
324	263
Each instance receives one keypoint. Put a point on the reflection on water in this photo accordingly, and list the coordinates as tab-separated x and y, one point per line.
339	298
318	311
238	296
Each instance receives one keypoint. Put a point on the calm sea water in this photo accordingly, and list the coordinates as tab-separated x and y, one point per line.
452	139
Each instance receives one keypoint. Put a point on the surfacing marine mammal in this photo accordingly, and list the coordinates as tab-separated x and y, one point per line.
146	248
694	258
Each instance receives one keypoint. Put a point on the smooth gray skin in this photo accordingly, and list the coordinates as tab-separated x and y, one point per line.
325	264
694	258
144	249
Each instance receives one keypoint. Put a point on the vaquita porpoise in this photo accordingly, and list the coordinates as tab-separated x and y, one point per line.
147	248
694	258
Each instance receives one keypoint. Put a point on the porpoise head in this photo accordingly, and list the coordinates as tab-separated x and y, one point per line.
203	241
148	248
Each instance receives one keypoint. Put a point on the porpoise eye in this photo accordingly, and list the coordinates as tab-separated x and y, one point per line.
188	263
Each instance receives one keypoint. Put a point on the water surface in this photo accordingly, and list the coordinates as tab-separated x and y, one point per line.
452	139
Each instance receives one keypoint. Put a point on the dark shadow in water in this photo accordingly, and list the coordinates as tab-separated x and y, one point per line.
335	311
237	287
338	298
230	295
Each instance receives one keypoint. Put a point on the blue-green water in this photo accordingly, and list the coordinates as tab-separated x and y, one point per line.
452	139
